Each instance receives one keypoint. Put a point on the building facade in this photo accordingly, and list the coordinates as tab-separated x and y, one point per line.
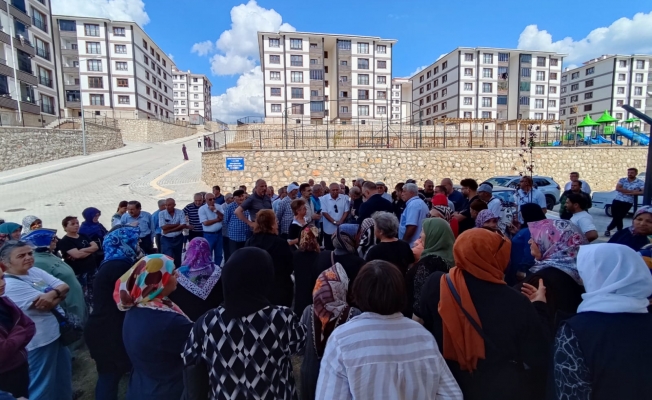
401	112
27	69
192	96
111	68
606	84
318	78
488	83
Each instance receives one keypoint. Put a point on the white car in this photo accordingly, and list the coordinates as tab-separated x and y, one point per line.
604	199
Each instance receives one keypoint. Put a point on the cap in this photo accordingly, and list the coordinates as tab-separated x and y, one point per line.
292	187
379	183
485	188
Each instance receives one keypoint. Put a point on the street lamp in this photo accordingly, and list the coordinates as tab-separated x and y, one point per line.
647	193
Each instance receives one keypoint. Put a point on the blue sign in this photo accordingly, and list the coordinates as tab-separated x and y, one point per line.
235	163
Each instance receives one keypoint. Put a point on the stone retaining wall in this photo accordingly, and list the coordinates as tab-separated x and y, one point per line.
600	166
152	130
20	147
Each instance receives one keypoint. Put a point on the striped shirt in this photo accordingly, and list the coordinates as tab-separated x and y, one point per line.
192	211
377	356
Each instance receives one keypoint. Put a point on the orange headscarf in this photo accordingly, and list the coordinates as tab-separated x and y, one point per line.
485	255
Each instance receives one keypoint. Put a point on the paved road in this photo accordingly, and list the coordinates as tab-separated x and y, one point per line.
102	184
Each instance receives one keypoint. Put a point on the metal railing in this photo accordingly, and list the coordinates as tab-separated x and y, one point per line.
39	23
45	81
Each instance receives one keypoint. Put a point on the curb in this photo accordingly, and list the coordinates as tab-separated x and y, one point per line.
69	166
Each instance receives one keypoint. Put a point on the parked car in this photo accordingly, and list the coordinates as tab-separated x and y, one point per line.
545	184
604	199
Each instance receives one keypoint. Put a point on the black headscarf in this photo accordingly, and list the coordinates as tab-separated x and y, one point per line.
531	213
247	280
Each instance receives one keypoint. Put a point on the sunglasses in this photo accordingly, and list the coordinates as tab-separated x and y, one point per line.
335	207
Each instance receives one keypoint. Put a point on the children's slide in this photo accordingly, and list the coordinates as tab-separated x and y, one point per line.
633	136
602	139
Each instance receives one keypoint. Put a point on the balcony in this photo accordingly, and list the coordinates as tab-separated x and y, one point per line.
47	108
39	23
27	77
71	49
45	81
69	34
20	15
28	105
24	45
5	38
71	69
5	69
3	5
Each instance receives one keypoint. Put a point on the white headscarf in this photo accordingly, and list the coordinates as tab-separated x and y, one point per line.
615	277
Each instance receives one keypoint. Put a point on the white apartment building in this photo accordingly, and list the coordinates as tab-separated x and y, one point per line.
111	68
401	111
607	83
192	96
488	83
27	72
317	77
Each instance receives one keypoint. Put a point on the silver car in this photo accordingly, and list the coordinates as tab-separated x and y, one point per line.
545	184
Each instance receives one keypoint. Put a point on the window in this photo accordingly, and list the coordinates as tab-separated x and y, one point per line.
575	75
468	114
344	94
314	61
381	110
589	71
573	99
552	103
344	78
574	86
344	109
296	61
564	78
344	44
468	56
637	104
553	76
444	78
121	66
524	87
363	95
640	64
468	101
363	63
468	86
42	48
91	30
487	72
95	82
563	89
428	111
196	96
146	60
123	82
486	102
363	110
588	83
97	99
501	100
275	92
486	114
381	64
538	103
296	76
420	90
554	62
274	59
94	65
619	115
421	78
443	105
503	57
274	75
428	99
93	47
428	87
381	95
39	20
344	63
443	92
487	88
68	26
588	107
540	89
273	42
443	66
468	71
117	31
619	103
296	44
316	74
622	63
588	95
123	99
363	48
45	77
562	101
525	72
381	49
297	93
145	44
152	52
120	49
538	115
316	106
381	79
363	79
276	108
621	77
524	101
541	75
638	78
488	58
638	91
541	61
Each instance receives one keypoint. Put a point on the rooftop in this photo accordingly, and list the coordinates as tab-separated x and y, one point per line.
334	35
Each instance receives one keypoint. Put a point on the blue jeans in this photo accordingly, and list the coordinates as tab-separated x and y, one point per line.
50	372
215	242
172	247
107	386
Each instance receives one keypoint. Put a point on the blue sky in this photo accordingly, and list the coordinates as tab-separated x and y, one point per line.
424	30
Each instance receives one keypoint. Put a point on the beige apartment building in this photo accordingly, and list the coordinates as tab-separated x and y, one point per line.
192	96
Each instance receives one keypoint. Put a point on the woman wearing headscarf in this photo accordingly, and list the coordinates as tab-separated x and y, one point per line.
491	364
117	217
41	240
154	329
636	236
441	209
305	273
266	237
487	219
9	231
554	246
603	351
30	223
520	259
437	238
94	230
367	236
389	248
329	310
345	253
246	318
199	287
103	332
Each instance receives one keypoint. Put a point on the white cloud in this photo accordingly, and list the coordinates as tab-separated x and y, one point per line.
202	48
623	36
416	71
231	65
119	10
441	56
171	56
244	99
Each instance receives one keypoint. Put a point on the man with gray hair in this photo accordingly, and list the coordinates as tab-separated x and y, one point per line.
485	193
412	218
192	213
382	190
156	227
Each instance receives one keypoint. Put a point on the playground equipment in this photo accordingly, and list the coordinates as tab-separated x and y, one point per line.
633	136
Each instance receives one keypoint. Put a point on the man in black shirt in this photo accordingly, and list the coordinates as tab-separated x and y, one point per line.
346	188
254	203
428	192
374	202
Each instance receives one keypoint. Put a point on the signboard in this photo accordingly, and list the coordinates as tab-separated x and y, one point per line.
235	164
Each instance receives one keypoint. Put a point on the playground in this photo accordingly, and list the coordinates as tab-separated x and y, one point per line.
606	130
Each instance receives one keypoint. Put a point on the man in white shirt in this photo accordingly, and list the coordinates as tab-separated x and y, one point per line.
575	176
485	193
576	204
528	194
210	216
334	210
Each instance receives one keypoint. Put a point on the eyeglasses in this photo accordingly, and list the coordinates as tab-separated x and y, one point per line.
210	199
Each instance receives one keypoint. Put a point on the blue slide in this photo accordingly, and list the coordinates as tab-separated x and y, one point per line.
633	136
602	139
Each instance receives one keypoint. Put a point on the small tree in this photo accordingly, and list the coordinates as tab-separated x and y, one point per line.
527	146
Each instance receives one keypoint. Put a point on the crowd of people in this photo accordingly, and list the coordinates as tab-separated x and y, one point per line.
415	293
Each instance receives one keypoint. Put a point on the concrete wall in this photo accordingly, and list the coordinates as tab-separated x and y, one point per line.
600	166
20	147
151	130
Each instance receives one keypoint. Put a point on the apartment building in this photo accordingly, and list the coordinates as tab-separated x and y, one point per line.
488	83
317	77
27	71
606	83
401	111
111	68
192	96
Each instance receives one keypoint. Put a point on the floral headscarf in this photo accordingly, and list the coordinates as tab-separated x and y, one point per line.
308	241
445	211
484	216
142	285
330	308
28	221
198	274
559	242
121	244
643	210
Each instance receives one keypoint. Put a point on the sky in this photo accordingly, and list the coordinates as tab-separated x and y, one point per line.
218	37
